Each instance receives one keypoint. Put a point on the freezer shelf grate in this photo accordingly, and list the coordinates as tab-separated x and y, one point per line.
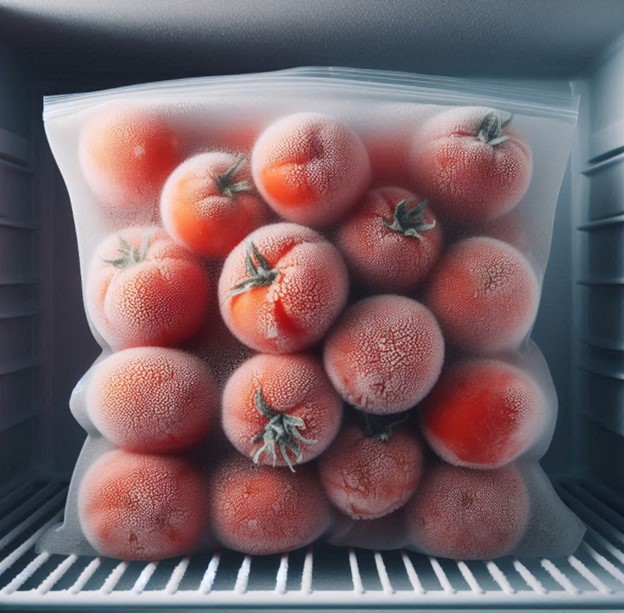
319	576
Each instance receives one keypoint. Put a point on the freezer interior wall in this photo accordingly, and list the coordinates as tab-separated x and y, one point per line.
598	266
45	343
22	392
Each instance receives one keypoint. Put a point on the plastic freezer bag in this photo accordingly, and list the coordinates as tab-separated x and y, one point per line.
314	291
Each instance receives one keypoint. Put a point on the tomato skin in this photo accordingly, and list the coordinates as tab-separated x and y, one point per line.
296	307
468	514
485	295
261	510
126	152
142	507
386	260
295	385
310	168
384	354
367	477
483	414
147	302
198	211
467	180
152	399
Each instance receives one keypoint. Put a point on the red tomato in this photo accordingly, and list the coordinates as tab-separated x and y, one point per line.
384	354
142	507
143	289
281	409
370	474
483	413
152	399
392	240
262	510
208	203
126	152
468	514
310	168
282	288
485	295
471	164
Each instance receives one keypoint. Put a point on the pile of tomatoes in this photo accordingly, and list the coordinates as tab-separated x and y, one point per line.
297	348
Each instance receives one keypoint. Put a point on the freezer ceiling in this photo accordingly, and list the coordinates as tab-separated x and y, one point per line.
66	38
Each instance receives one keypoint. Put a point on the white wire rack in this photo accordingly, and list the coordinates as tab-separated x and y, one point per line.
318	577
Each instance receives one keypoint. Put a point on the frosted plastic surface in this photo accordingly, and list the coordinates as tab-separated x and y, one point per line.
259	393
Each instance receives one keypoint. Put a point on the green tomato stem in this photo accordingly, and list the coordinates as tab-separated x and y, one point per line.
490	130
260	272
225	181
410	222
381	427
129	255
281	430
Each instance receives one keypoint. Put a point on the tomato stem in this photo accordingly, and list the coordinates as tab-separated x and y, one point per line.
225	181
130	255
259	270
490	130
381	427
283	430
412	222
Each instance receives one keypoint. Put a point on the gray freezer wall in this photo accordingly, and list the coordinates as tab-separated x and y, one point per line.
21	389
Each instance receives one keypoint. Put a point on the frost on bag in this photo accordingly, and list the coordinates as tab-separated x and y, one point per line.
314	292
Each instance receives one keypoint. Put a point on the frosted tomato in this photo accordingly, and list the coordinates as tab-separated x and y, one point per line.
485	295
391	241
471	163
143	289
262	510
282	288
208	203
281	409
310	168
152	399
368	473
468	514
126	152
384	354
142	507
483	413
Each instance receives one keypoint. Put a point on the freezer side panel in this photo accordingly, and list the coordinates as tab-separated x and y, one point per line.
600	275
21	355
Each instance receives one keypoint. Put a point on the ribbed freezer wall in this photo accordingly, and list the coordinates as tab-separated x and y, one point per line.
21	389
599	272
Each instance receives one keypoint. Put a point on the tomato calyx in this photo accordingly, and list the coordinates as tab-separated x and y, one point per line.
259	270
412	222
281	430
129	255
381	427
490	130
225	181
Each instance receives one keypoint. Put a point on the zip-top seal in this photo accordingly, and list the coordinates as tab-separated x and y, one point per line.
373	84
